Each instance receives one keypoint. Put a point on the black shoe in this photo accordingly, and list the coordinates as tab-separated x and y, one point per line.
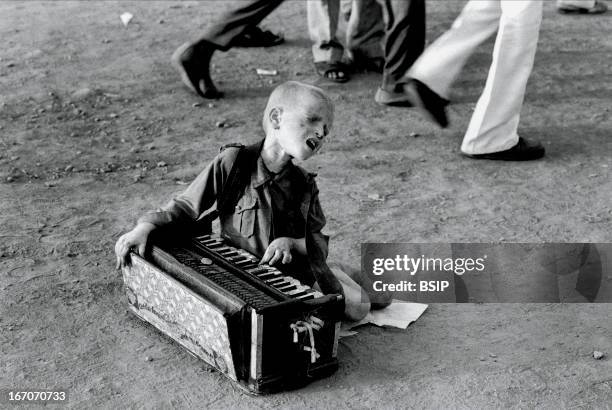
192	61
523	151
365	64
427	101
598	8
256	37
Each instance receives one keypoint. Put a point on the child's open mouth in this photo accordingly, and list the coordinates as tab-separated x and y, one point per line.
312	143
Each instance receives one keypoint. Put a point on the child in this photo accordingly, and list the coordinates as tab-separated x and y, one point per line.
267	205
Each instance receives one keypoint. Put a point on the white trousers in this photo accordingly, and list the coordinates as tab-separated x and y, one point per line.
493	126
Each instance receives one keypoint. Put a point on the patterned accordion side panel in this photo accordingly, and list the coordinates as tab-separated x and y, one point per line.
179	313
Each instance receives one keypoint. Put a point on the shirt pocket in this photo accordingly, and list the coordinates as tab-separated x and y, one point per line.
245	214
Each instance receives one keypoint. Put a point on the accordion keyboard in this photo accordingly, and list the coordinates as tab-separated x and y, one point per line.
245	262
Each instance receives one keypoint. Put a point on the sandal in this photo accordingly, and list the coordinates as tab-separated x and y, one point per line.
256	37
336	72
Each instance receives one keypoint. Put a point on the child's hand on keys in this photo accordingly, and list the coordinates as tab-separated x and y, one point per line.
136	238
278	250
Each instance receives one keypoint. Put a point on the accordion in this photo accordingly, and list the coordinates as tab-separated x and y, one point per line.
261	328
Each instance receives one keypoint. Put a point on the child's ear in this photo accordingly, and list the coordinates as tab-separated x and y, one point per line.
276	116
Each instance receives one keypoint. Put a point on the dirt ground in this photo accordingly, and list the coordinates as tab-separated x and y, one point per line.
96	128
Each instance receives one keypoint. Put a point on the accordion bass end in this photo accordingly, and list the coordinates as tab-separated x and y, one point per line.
257	335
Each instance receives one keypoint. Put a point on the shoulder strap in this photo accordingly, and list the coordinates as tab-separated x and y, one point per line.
237	180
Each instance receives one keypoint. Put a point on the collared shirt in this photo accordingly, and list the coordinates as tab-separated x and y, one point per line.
271	206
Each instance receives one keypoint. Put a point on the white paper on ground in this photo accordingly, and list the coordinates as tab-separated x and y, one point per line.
261	71
126	18
398	314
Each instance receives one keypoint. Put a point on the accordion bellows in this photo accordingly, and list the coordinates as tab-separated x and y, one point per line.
262	329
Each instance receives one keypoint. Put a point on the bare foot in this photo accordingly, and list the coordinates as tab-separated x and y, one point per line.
192	61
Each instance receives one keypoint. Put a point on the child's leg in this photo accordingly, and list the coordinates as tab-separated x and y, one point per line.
357	302
378	300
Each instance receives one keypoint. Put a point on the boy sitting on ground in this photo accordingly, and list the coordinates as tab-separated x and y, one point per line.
267	205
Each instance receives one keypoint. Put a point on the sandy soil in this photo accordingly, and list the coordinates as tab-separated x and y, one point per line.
96	128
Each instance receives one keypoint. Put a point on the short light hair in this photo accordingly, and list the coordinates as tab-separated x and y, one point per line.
291	93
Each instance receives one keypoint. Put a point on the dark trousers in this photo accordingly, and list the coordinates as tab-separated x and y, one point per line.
235	21
404	31
404	37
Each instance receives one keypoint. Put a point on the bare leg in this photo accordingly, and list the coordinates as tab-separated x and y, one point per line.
378	300
356	301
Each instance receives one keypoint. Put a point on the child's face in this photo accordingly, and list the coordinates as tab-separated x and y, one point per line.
304	128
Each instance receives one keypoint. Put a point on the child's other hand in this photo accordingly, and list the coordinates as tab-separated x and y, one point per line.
278	250
136	238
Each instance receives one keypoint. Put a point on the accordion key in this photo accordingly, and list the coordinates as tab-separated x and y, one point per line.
261	328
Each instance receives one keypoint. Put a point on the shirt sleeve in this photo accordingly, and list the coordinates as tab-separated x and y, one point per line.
317	247
198	197
316	217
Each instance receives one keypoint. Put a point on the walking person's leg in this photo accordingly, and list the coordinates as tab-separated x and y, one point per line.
404	42
192	59
493	126
365	34
327	51
404	39
430	78
441	63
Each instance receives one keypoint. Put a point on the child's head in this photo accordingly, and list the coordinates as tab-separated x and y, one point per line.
298	117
